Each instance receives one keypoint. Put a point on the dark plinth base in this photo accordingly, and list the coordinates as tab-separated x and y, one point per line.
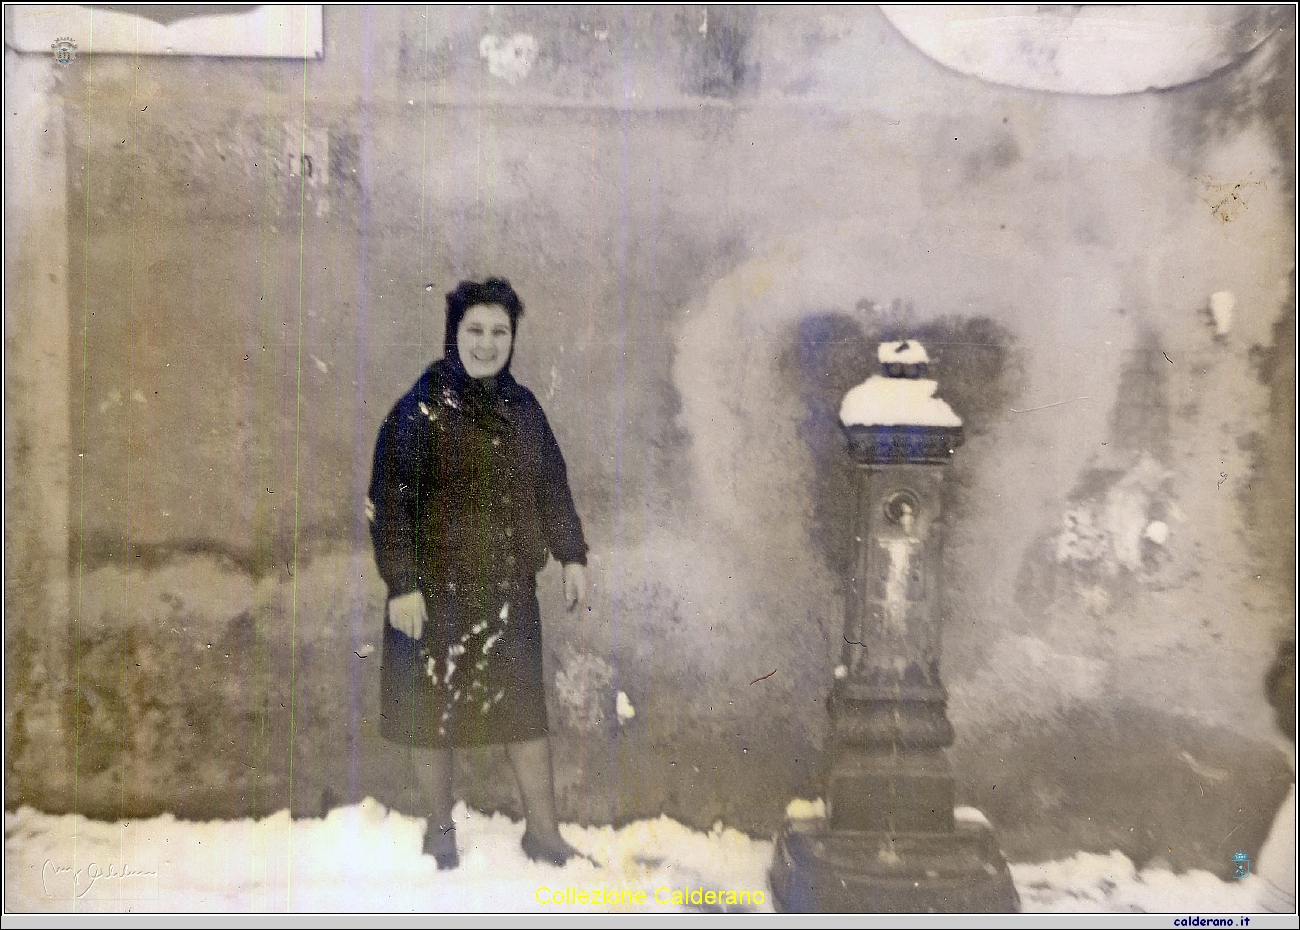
888	793
819	870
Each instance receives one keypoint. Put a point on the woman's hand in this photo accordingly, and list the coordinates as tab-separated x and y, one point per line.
406	614
575	585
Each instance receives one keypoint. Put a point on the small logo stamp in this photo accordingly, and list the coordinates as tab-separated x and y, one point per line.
65	50
1243	865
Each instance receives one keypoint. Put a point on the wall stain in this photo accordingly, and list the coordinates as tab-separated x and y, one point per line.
1227	199
1140	417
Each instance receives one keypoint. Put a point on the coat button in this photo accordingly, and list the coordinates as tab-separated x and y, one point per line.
496	440
510	531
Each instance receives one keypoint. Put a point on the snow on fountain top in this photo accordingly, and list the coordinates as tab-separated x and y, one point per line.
901	399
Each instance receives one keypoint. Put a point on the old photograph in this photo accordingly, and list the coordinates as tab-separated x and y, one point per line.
650	459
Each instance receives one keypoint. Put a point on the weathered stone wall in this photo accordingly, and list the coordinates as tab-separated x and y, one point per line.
712	215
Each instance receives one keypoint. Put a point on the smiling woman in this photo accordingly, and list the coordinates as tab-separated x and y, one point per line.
469	493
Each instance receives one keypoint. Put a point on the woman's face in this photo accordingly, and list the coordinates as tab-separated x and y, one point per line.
483	340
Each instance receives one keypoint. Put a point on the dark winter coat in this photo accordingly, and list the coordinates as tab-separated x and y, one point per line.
468	487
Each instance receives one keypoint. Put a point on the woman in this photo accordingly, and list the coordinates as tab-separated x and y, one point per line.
469	492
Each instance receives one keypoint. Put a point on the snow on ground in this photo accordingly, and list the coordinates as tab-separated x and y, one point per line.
1111	884
359	858
367	858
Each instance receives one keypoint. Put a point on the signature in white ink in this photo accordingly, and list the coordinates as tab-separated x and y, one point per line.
84	878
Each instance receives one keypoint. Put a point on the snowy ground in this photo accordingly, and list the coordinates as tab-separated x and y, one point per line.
366	858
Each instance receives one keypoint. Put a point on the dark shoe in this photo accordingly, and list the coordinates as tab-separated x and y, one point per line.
555	850
441	844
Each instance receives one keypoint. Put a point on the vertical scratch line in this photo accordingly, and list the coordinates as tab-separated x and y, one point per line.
126	575
81	503
297	460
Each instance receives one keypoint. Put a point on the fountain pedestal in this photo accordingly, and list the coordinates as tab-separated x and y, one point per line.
890	841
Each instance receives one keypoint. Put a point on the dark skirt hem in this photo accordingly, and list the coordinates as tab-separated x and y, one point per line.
415	708
393	733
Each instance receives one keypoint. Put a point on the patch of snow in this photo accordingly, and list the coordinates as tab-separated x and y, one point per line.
1157	531
1088	882
881	401
623	707
367	858
971	815
359	858
802	809
1222	303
